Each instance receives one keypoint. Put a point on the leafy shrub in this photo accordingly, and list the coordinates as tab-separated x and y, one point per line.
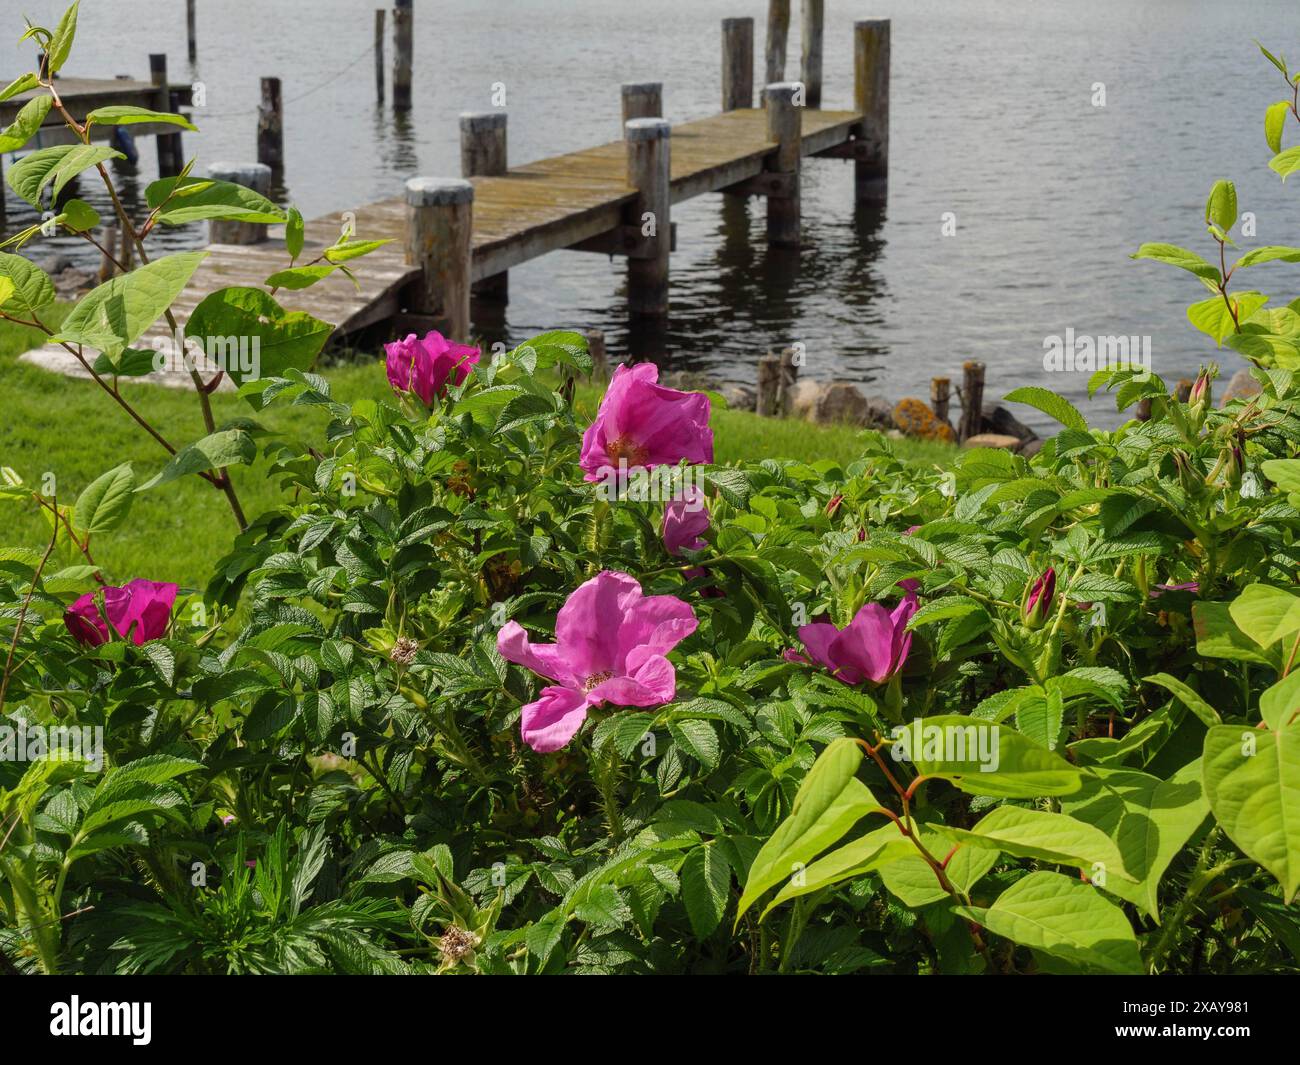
1019	715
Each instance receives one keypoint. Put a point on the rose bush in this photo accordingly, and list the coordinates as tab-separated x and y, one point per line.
1017	715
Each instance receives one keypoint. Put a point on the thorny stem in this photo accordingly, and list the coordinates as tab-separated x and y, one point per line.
22	616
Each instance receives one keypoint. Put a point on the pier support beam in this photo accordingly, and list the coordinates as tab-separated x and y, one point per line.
483	154
439	228
778	30
649	142
784	125
270	125
169	144
871	98
642	99
814	23
255	176
737	63
190	32
403	49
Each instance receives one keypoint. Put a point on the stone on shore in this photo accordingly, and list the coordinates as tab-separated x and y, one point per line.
1241	386
998	440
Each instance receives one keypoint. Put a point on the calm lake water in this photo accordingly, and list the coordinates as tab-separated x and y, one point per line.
992	119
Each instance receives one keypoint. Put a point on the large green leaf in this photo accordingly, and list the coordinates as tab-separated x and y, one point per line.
1281	702
61	42
1149	819
1180	257
854	859
1217	635
33	290
830	801
105	502
1045	836
1221	207
1274	123
190	199
58	164
1050	403
26	123
1266	614
1214	318
1001	763
226	448
127	115
113	316
1286	163
1188	697
1065	918
285	339
1252	780
913	881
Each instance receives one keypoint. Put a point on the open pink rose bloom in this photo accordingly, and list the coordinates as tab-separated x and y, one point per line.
423	366
610	643
873	646
139	610
643	424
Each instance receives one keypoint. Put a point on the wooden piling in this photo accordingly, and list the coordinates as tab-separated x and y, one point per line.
871	99
270	125
169	162
642	99
439	226
403	48
769	386
379	54
784	125
778	31
737	63
255	176
814	23
599	356
648	143
483	153
940	392
190	21
972	399
789	376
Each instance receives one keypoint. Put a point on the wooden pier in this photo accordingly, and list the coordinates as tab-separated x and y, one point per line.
451	235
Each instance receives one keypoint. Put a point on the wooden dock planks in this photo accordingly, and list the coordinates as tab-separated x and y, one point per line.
533	209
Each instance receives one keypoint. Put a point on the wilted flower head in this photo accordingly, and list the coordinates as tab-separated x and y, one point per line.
423	366
685	521
403	652
642	423
457	944
873	646
1038	603
610	643
139	610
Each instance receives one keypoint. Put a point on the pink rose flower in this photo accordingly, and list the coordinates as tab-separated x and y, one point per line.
685	521
872	647
610	643
642	423
139	610
423	366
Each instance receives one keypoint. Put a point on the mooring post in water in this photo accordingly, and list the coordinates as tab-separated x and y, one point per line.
871	100
789	378
169	163
439	228
784	126
972	399
483	154
403	46
642	99
778	30
255	176
270	125
599	356
769	386
737	63
940	392
814	22
649	143
190	30
379	54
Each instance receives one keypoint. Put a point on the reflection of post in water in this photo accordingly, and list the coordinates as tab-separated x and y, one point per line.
396	140
647	338
868	243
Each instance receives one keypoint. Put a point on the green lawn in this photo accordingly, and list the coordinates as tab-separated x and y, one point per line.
71	429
